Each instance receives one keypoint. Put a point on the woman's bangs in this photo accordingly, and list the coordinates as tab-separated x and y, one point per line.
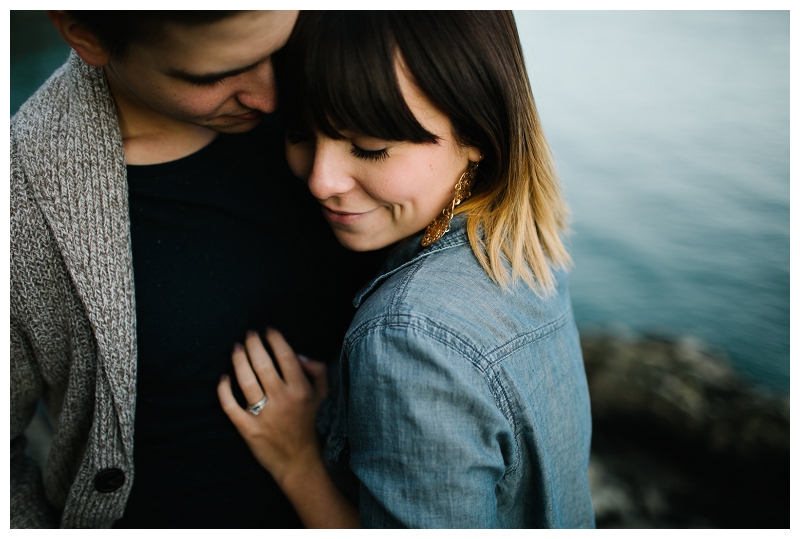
349	84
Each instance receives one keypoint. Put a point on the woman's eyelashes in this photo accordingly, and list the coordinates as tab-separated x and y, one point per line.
370	155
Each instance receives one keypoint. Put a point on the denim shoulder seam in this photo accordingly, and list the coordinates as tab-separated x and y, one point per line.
407	320
503	351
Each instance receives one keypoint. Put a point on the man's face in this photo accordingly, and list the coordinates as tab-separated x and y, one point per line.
216	75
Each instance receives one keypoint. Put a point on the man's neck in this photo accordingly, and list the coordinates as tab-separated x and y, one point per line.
150	138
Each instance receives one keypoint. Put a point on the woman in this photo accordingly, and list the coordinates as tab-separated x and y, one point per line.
460	398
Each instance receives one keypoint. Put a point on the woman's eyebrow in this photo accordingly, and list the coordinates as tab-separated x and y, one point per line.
208	77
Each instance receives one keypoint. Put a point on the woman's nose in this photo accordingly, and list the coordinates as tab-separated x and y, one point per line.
329	176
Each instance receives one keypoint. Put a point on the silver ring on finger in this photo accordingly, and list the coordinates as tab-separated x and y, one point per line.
256	408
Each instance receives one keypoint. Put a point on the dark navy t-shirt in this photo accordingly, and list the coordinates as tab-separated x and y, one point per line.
224	240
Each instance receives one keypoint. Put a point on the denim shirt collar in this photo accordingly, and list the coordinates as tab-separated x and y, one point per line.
412	250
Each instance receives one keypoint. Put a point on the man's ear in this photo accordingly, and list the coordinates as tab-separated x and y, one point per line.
79	37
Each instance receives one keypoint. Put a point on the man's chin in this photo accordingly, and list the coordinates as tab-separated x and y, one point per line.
233	128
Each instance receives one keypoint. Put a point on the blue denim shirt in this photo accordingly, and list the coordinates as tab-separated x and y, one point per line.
459	404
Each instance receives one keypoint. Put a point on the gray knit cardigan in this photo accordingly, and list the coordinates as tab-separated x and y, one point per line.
73	335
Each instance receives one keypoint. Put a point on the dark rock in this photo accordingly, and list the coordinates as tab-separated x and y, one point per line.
681	440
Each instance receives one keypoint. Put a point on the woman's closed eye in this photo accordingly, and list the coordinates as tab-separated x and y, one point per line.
370	155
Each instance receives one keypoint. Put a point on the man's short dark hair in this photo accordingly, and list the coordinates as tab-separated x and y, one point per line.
116	30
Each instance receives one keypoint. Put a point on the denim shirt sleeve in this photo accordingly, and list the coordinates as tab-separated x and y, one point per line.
428	440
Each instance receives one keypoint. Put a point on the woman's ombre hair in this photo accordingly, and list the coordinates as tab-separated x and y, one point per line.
337	72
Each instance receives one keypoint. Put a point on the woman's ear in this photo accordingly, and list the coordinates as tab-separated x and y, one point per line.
474	154
79	37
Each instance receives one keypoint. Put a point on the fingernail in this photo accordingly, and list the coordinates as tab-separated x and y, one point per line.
237	347
223	378
251	333
303	358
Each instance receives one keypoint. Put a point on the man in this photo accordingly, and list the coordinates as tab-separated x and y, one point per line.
148	159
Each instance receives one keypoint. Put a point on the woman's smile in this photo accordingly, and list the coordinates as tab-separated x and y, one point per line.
344	217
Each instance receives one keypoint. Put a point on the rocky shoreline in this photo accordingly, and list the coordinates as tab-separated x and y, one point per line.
680	440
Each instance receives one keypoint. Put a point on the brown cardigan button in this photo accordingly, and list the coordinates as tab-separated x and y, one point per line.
109	480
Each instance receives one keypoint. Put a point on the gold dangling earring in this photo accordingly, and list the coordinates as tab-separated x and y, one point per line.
441	224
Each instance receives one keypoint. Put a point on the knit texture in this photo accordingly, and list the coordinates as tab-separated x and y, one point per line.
72	301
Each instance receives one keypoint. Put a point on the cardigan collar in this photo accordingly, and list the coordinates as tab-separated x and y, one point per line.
74	162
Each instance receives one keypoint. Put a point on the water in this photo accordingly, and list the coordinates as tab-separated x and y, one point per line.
36	51
671	133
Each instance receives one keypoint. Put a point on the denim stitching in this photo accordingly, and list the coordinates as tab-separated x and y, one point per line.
527	338
504	405
419	258
399	292
415	321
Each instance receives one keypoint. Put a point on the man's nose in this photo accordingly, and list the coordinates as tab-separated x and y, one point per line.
257	89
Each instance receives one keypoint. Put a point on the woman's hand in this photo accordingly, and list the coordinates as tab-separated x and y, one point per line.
282	436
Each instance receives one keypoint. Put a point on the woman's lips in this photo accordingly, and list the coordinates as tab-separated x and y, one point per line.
343	218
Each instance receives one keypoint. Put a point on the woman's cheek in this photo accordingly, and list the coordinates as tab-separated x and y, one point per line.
300	158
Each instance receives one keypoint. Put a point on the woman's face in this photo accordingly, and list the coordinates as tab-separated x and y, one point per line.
376	192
